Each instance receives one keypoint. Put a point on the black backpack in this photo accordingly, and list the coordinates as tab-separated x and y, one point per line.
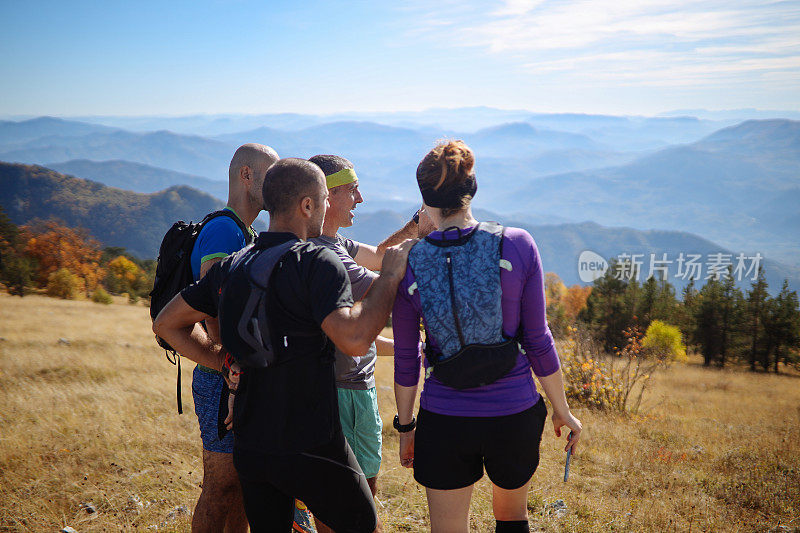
245	325
244	328
174	272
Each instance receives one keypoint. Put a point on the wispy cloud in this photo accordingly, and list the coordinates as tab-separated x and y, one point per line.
634	42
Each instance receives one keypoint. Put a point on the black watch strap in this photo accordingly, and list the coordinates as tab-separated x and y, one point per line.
415	218
404	428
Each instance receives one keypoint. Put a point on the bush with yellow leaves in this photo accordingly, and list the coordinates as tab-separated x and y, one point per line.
63	284
664	342
599	380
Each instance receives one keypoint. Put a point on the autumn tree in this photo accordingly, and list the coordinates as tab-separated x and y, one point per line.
124	276
555	291
125	273
54	247
574	301
664	341
63	284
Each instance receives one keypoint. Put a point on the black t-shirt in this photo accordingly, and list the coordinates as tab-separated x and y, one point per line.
291	406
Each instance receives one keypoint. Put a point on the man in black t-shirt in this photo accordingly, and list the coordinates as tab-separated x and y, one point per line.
288	441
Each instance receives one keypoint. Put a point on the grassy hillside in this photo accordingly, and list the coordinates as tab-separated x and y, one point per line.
114	216
89	416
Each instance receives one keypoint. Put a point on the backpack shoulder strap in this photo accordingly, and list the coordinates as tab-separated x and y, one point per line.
248	237
495	227
499	230
492	227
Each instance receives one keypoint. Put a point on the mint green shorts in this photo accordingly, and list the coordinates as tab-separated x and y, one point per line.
362	425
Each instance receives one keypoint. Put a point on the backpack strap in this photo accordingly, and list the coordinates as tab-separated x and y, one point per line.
248	236
463	236
505	264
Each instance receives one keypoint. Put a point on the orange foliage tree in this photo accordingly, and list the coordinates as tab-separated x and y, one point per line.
124	275
563	304
554	288
574	300
54	246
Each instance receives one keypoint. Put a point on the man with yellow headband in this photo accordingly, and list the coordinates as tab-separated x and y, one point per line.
355	376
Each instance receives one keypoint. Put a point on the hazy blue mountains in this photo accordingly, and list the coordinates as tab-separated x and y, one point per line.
181	153
734	187
560	246
137	177
17	133
736	184
138	222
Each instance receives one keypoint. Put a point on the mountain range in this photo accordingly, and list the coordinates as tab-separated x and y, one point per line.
180	153
734	187
137	177
732	182
138	222
113	216
560	246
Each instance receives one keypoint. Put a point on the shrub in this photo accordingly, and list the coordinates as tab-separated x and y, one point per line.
63	284
587	379
596	379
100	296
664	342
15	272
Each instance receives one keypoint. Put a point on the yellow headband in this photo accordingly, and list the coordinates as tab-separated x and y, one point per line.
343	177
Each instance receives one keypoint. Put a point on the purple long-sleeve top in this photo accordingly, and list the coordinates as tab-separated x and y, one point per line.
523	303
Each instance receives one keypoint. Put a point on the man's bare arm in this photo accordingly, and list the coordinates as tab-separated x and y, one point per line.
353	329
178	324
409	231
371	257
212	324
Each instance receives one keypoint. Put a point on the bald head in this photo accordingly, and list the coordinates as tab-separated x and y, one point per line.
289	181
257	157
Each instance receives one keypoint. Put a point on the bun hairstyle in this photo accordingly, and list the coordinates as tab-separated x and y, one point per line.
446	176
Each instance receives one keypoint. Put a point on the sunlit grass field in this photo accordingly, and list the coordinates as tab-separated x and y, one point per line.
88	415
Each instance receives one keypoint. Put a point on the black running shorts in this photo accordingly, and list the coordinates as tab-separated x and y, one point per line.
450	452
327	479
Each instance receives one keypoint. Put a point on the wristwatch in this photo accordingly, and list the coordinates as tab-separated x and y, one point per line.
404	428
415	218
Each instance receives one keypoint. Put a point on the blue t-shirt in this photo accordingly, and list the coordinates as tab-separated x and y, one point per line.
220	237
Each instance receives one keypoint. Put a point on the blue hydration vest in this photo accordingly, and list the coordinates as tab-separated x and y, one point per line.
459	289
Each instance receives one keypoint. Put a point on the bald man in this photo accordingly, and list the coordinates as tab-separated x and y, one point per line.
220	506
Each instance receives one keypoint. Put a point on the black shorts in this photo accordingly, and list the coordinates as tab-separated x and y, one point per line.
450	452
327	479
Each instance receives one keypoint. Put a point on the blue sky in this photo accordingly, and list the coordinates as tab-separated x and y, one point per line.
237	56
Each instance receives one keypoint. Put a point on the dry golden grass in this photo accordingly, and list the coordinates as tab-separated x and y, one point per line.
95	420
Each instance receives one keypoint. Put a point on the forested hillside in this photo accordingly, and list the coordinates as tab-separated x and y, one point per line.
113	216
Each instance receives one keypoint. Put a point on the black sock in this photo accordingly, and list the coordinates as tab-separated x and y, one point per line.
511	526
